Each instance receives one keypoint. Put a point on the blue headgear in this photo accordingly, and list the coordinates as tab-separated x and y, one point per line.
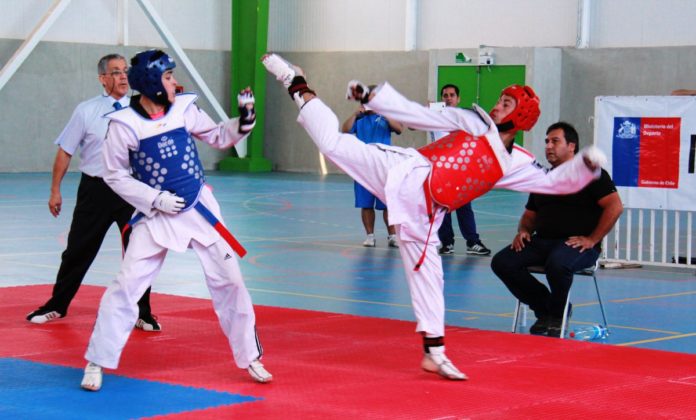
145	74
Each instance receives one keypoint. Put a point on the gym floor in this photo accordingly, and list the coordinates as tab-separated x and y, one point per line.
305	253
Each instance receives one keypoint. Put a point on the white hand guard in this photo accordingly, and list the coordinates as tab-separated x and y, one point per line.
246	97
169	203
247	115
357	91
594	157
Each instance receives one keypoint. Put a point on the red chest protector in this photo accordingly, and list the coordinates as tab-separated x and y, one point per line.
463	168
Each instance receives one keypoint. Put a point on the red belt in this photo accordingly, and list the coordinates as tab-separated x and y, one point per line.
207	215
431	218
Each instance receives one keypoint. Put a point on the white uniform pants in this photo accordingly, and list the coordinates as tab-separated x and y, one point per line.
370	166
366	164
118	310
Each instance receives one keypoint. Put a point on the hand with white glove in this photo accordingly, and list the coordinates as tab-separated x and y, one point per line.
357	91
169	203
594	158
247	115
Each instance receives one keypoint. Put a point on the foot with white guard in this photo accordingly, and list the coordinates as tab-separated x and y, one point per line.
281	69
92	380
440	364
259	373
291	76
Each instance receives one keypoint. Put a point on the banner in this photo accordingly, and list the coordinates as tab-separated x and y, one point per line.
650	142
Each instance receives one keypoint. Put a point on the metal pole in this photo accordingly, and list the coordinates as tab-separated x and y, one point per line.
11	67
584	23
179	53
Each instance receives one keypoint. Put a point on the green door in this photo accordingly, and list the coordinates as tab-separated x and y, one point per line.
480	84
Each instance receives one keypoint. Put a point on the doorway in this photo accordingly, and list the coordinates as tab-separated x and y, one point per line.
481	84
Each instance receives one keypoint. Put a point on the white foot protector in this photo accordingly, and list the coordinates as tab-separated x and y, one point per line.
92	381
259	373
441	365
281	69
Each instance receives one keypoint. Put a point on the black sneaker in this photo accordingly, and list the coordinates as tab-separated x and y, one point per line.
42	316
555	323
148	323
446	250
555	327
478	249
540	327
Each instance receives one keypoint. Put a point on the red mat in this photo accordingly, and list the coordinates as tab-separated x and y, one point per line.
340	366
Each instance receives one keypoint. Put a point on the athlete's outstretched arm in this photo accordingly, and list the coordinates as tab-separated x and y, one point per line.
393	105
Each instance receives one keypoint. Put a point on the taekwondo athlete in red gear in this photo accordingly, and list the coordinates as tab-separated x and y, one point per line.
176	210
417	190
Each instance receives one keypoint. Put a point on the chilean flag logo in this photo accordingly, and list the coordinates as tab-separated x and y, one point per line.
645	152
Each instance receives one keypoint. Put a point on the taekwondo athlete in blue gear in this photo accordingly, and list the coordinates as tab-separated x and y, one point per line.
176	211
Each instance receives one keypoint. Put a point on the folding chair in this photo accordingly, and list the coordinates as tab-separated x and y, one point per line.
589	272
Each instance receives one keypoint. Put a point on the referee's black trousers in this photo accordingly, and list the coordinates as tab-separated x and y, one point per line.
97	208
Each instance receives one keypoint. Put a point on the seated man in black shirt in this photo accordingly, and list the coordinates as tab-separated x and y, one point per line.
563	233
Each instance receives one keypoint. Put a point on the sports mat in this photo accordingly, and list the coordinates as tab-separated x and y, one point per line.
325	365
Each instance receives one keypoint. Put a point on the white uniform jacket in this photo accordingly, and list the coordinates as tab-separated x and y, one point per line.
174	232
521	171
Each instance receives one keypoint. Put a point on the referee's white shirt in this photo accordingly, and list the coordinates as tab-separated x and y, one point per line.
86	130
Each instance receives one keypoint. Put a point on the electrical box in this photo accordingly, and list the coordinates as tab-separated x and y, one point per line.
486	56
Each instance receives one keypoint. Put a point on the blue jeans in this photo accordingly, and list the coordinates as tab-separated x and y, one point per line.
560	262
467	225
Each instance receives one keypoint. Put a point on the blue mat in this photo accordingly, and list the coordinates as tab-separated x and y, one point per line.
31	390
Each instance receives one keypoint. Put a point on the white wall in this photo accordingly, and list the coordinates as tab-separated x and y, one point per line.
373	25
503	23
643	23
196	24
321	25
342	39
367	25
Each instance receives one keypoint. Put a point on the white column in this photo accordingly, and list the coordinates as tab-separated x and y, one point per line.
584	23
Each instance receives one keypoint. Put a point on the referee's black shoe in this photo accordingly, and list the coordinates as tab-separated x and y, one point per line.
42	316
148	322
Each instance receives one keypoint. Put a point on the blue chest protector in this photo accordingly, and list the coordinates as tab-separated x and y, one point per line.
169	162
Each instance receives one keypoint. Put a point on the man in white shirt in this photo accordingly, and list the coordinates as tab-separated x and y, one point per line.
97	206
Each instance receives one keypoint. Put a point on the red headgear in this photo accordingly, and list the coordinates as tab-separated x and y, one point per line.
526	113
